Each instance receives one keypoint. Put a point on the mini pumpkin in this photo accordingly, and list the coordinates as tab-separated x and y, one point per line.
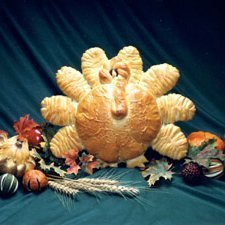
15	157
34	180
199	137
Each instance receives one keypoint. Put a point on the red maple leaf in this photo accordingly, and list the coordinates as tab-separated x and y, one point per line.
70	160
24	126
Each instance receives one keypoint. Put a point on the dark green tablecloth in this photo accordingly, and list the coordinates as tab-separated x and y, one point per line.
38	37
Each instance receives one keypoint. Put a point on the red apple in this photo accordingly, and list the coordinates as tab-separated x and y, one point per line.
34	136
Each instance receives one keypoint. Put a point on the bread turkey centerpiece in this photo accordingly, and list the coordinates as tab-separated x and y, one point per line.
116	111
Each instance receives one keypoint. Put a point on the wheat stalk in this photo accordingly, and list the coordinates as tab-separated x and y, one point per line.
97	181
100	187
80	186
71	187
119	189
62	189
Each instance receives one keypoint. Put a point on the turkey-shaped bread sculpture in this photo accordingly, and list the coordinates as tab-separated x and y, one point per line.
115	110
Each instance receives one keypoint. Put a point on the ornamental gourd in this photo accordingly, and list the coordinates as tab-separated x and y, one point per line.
15	157
199	137
34	180
8	184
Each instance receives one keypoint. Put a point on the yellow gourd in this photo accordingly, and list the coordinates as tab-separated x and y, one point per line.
15	157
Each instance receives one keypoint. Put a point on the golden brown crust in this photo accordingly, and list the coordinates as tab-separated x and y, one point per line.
111	139
118	115
159	79
104	76
145	120
171	142
137	162
92	61
131	57
59	110
72	83
64	140
175	107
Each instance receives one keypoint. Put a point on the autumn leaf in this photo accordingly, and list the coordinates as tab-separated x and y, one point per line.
24	126
157	169
70	160
70	156
210	152
85	158
44	166
193	151
35	154
51	167
73	169
88	163
204	155
56	169
89	167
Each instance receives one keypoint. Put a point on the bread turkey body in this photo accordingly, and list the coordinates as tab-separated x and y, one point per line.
117	139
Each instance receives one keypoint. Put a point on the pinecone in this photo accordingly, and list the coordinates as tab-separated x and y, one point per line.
191	173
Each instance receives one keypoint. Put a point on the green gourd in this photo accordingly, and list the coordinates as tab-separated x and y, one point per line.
8	184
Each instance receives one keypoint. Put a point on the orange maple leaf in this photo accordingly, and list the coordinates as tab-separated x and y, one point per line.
73	169
24	126
70	160
70	156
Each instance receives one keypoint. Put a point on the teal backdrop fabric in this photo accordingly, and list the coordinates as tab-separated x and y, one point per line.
38	37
